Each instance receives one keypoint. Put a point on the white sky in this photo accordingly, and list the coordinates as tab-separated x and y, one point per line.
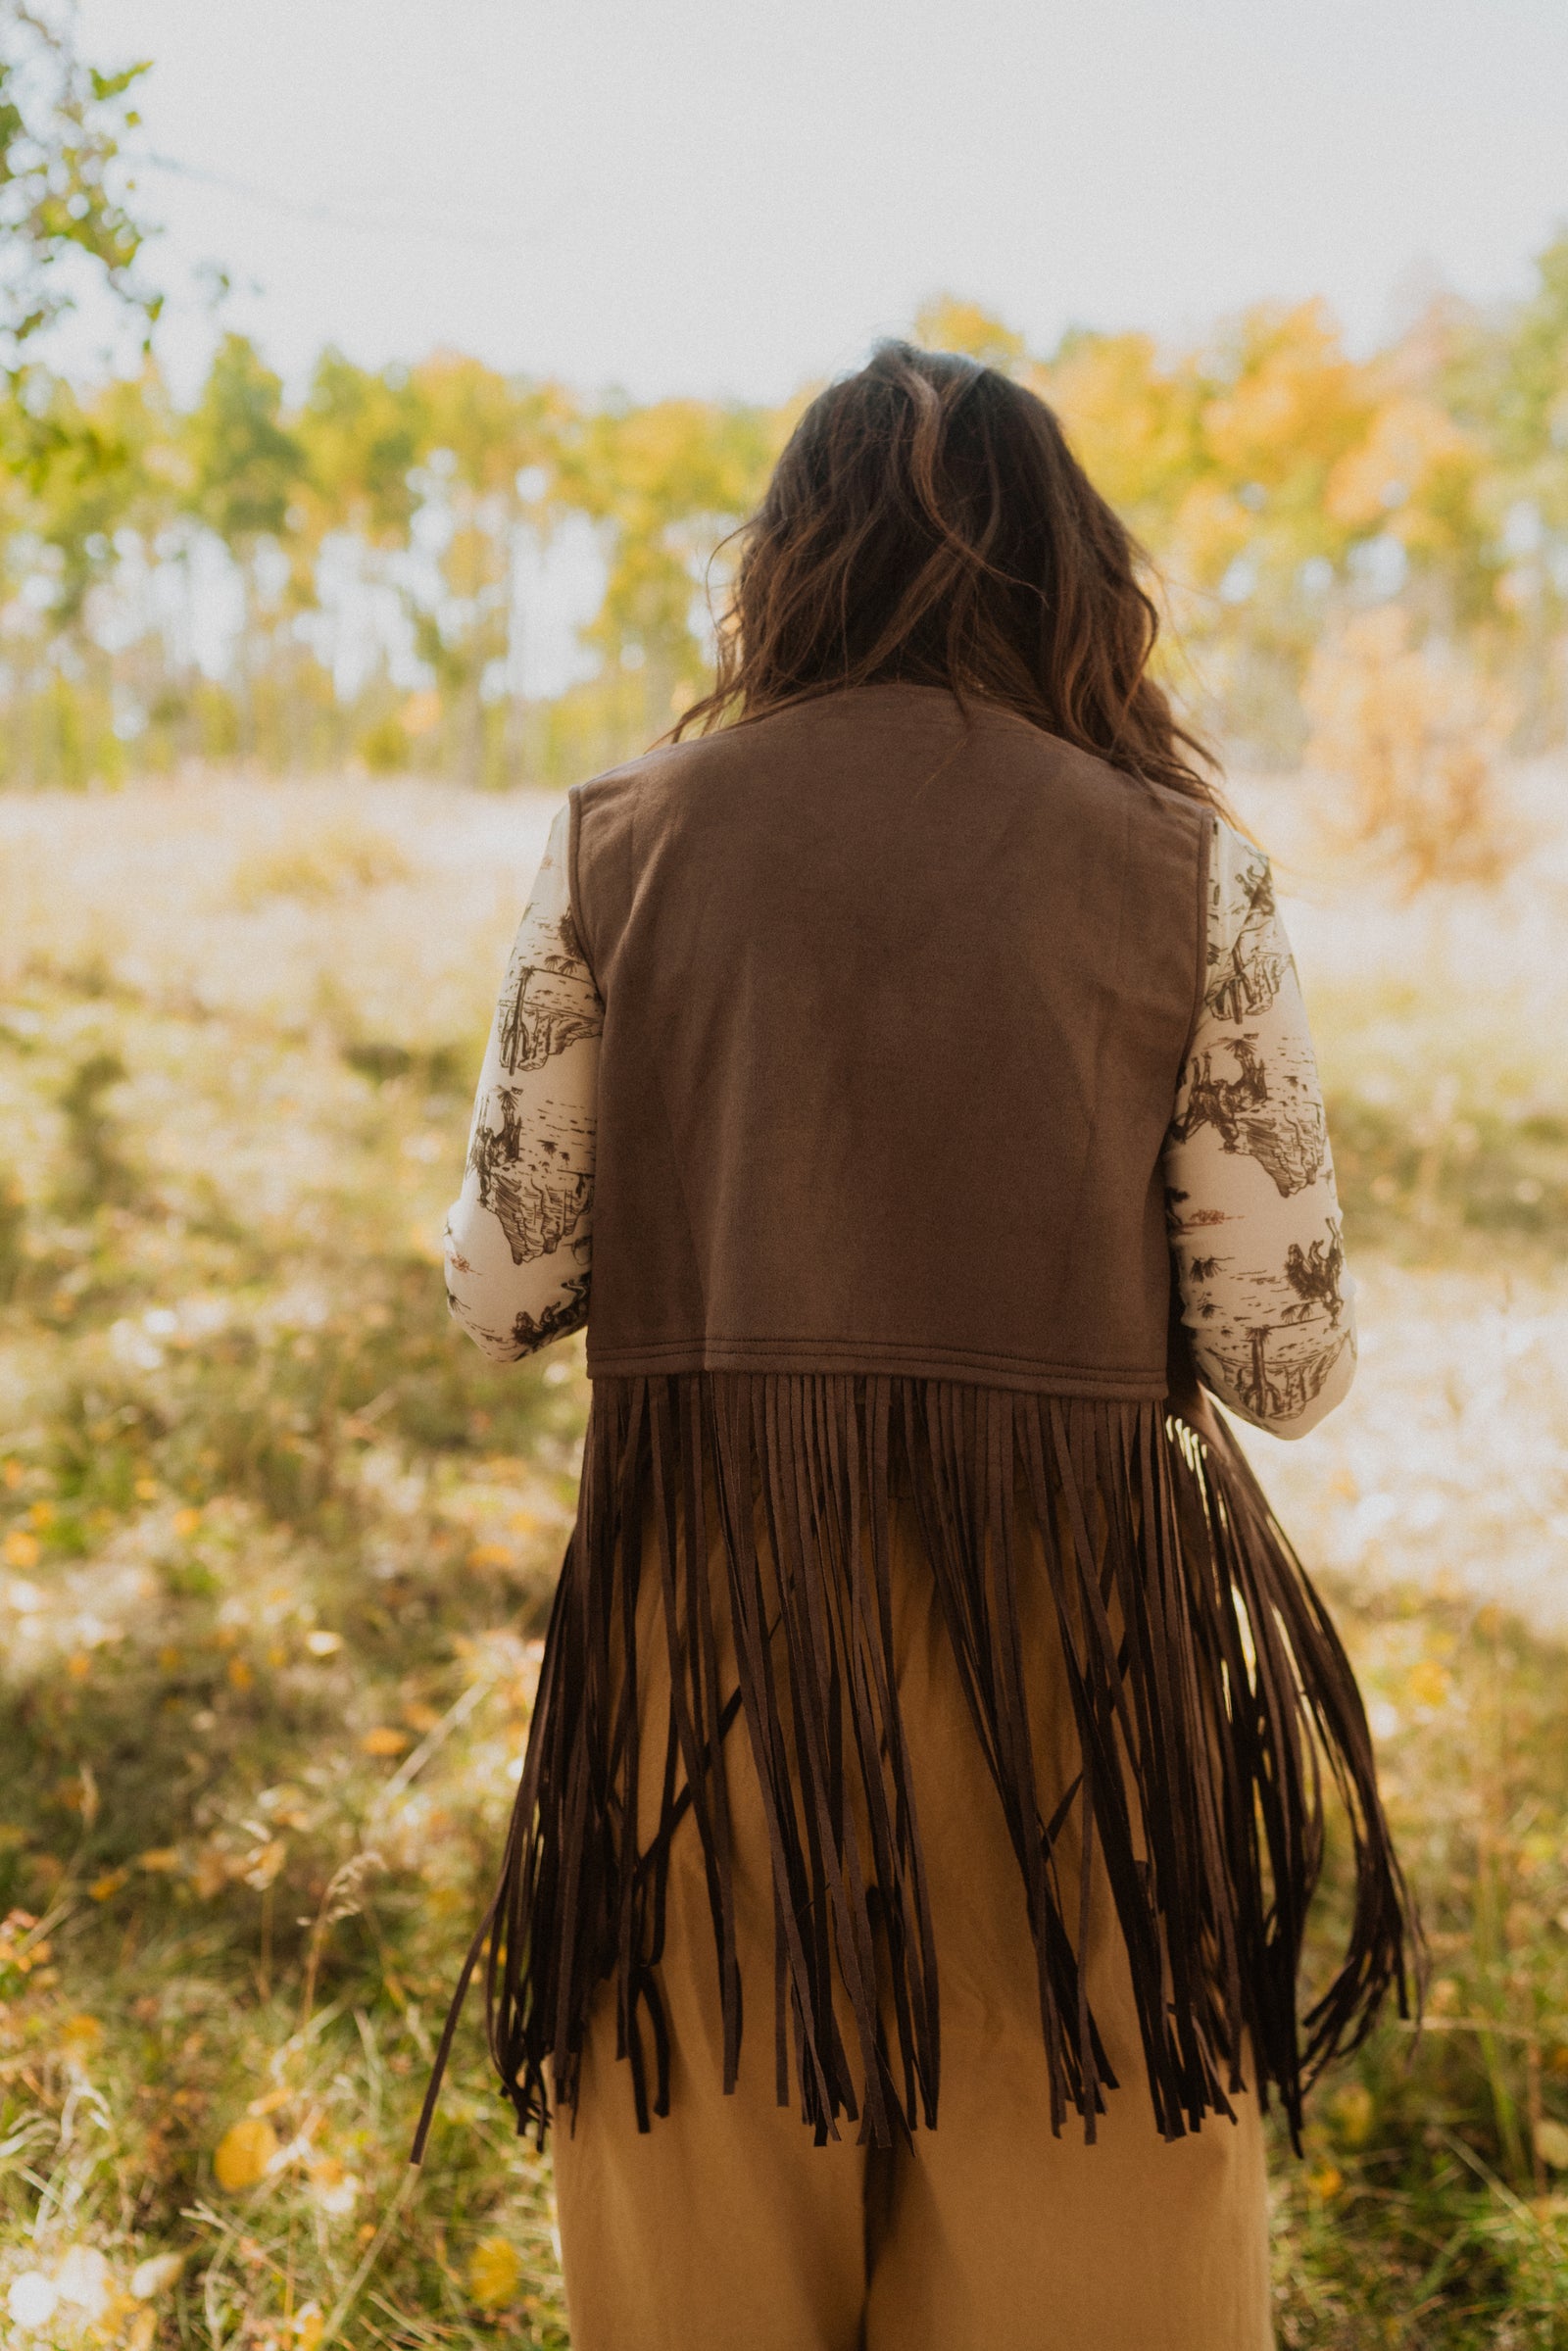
675	195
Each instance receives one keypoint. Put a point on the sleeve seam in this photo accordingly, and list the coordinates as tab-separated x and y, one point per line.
1207	842
573	885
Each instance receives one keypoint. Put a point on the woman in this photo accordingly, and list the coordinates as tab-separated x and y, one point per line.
902	1912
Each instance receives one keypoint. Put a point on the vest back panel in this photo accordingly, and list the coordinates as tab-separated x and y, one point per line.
896	1002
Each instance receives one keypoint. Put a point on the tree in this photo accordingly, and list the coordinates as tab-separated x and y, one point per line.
489	476
245	467
363	431
945	324
665	483
61	124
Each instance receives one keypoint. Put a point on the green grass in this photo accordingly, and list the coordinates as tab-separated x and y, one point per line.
277	1555
275	1549
1425	2211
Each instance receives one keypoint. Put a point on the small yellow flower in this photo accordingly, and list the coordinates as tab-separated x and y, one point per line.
20	1549
495	2272
240	1674
1327	2182
383	1740
145	1490
185	1523
103	1888
489	1555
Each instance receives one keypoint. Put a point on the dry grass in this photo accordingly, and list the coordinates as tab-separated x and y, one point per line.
275	1552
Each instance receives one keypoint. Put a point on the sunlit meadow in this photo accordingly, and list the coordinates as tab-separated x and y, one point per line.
277	1548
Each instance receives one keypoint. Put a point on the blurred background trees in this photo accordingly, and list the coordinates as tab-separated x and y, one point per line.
375	571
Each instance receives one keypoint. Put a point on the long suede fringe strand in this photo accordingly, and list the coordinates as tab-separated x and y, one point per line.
1213	1703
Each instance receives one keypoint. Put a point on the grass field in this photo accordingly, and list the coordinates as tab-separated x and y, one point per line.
275	1549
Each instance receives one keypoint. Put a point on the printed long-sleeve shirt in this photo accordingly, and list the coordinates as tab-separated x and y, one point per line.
1250	1204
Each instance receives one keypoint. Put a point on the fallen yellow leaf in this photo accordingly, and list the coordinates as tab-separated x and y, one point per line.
243	2153
110	1884
384	1740
495	2272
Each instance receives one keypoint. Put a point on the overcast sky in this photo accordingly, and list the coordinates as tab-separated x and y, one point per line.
678	195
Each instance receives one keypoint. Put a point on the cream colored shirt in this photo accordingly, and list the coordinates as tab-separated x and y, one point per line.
1253	1219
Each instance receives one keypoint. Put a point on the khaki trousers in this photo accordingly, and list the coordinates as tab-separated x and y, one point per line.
725	2229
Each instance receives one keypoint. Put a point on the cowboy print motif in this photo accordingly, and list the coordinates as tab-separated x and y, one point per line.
1268	1109
519	1237
1252	1210
1248	958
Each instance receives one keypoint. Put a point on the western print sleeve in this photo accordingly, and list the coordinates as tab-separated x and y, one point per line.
1253	1213
519	1236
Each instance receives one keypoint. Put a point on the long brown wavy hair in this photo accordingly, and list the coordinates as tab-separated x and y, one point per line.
928	523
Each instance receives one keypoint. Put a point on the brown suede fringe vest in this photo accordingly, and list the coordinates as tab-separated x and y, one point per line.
896	1001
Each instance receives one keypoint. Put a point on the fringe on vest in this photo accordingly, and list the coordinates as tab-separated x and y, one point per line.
1213	1704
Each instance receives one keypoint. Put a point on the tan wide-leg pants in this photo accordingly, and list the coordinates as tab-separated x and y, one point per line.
725	2229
